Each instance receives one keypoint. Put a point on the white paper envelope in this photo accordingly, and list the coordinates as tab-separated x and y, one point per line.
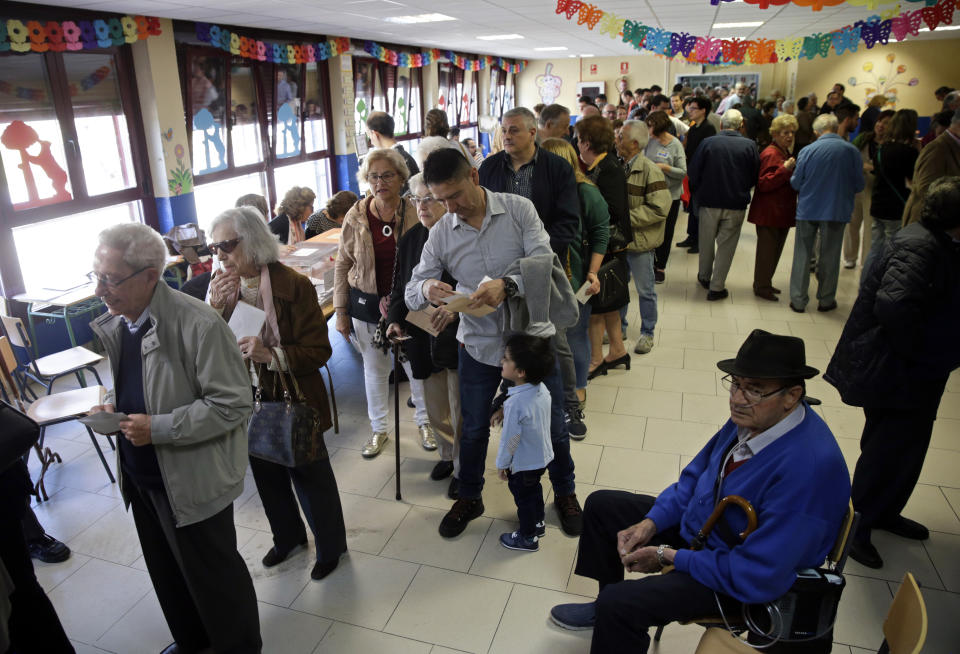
247	320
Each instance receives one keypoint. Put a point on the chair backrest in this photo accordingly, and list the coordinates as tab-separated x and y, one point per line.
8	363
838	553
905	628
15	331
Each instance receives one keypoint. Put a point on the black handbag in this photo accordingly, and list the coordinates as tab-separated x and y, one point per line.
286	431
614	289
18	433
365	307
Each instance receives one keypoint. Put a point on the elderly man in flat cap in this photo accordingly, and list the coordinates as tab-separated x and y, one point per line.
775	452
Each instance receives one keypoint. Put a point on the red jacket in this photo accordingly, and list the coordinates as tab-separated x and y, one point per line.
774	200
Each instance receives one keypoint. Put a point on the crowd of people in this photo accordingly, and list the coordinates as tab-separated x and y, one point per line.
535	245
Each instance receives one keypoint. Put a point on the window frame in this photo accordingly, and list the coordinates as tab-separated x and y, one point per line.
262	71
11	280
380	77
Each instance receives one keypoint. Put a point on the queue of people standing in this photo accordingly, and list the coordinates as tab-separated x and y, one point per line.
541	238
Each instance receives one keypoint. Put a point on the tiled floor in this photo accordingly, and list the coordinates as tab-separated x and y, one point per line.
402	588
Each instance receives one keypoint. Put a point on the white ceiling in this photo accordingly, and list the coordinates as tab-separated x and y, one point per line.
536	20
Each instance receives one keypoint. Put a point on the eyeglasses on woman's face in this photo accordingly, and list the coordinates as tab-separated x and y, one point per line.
425	201
386	178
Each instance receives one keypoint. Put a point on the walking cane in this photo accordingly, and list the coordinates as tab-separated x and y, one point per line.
701	538
396	410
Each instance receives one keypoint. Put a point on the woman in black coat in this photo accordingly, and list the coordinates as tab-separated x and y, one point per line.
896	352
596	145
432	358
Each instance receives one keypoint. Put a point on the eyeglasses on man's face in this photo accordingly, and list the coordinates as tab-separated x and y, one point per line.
227	246
752	396
374	178
105	280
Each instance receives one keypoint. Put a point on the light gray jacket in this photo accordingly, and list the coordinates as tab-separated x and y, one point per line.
548	300
198	395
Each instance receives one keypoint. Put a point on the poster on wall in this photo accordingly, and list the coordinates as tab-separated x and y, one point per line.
728	80
549	85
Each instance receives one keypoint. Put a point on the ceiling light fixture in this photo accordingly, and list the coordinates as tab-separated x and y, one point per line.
499	37
551	48
419	18
755	23
587	55
940	29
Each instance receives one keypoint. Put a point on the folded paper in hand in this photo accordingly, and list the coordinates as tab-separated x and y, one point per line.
247	320
423	319
460	303
582	296
103	422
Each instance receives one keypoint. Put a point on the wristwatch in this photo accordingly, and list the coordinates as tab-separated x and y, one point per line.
510	287
660	556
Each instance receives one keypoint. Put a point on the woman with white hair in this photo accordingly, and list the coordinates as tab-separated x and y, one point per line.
364	274
431	144
433	359
293	340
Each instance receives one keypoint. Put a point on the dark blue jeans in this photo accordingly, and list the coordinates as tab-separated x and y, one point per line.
478	386
528	495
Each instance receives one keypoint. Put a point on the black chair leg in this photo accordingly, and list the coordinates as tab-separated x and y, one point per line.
658	633
95	374
102	458
110	440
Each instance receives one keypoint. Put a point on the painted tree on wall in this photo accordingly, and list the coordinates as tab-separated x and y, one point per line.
883	83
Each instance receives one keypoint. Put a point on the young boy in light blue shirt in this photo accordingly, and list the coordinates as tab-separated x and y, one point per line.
525	448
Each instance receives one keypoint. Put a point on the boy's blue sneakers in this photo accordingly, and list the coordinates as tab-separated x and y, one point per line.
516	541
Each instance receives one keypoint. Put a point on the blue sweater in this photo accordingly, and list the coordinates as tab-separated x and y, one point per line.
800	488
828	175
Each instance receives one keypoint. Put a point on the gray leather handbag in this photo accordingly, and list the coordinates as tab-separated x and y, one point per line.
286	431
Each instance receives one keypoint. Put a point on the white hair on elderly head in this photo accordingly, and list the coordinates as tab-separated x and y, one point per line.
635	130
142	246
740	86
529	120
417	186
825	123
383	154
788	104
731	119
431	144
258	244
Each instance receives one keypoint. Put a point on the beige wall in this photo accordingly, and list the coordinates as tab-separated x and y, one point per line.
773	77
644	70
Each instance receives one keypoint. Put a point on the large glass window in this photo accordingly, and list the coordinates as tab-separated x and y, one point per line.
73	156
396	90
256	127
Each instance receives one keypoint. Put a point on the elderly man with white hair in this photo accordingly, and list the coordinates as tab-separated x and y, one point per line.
828	175
723	170
733	99
183	387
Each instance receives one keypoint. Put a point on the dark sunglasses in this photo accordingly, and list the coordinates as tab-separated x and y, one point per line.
226	246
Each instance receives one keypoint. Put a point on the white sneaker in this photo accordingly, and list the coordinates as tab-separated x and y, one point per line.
849	264
373	446
427	438
644	344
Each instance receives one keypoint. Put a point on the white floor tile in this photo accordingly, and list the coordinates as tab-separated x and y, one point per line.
899	555
282	583
370	522
928	505
71	511
111	538
364	590
526	620
290	632
418	541
651	404
347	639
143	630
51	574
685	381
548	568
946	434
943	549
645	471
676	437
862	608
451	609
941	468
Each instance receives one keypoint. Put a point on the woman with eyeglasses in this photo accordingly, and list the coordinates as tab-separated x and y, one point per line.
433	359
293	340
363	279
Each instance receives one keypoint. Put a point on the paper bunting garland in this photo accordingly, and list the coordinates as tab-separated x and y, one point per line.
17	35
39	95
277	53
429	56
818	5
707	50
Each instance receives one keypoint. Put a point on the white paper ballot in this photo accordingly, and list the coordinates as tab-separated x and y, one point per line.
582	296
103	422
247	320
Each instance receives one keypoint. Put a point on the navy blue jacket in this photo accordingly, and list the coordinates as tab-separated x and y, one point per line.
554	194
724	169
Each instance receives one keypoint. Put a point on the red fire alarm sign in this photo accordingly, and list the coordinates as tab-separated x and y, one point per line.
593	69
624	67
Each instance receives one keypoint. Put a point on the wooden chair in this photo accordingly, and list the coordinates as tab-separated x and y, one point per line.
46	370
904	629
54	409
836	560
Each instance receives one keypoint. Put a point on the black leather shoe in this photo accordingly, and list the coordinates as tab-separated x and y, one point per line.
823	308
274	556
694	250
172	648
866	554
704	282
48	549
453	490
795	309
442	470
686	243
713	296
410	403
321	569
459	517
571	515
905	528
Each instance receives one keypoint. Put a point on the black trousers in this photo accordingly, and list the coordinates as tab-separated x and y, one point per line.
627	609
316	488
662	253
32	530
202	582
892	449
528	495
34	627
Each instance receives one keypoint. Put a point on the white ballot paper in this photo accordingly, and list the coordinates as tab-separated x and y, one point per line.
582	296
422	319
460	303
247	320
103	422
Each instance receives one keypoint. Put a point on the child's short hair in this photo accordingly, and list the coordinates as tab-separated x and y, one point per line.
532	355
